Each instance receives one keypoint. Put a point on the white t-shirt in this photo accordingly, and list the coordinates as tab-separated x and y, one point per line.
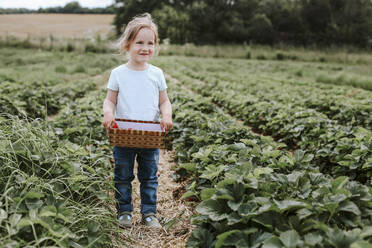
138	97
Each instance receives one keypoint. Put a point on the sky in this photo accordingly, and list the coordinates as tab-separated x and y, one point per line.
35	4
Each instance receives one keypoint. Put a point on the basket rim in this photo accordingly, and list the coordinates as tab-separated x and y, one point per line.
113	131
138	121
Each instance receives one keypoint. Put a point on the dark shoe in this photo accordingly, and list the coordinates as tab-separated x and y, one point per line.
125	219
150	220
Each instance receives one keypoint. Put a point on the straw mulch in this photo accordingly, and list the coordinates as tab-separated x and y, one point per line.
174	214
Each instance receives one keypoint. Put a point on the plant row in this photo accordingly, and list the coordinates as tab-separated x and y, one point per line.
339	150
39	99
54	187
346	105
254	194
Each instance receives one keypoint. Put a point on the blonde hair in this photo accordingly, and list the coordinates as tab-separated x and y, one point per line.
133	27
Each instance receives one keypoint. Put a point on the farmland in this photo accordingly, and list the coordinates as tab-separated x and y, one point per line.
57	25
269	153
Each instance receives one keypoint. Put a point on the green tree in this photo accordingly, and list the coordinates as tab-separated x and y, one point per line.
127	9
72	7
172	24
316	15
261	29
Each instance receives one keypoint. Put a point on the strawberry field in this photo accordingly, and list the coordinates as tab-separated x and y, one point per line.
271	154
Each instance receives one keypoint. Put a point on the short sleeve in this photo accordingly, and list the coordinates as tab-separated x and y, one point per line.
162	84
113	82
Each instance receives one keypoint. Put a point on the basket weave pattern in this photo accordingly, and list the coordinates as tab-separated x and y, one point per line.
136	138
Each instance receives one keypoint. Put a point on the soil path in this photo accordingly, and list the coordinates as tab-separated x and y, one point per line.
173	213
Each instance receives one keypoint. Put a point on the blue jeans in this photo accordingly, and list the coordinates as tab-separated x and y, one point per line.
147	160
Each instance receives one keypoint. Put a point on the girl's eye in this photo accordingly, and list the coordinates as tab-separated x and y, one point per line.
139	42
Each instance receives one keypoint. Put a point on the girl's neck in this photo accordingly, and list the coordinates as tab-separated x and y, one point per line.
137	66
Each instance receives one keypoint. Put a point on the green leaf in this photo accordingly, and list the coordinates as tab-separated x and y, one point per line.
234	205
303	213
3	215
234	218
299	155
48	211
262	171
200	237
225	182
340	238
188	194
289	205
24	222
213	209
339	182
366	232
14	219
221	238
33	195
313	238
212	171
349	206
361	244
273	242
290	238
189	166
235	238
207	193
33	203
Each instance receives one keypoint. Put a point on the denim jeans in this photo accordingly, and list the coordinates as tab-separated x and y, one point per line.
147	160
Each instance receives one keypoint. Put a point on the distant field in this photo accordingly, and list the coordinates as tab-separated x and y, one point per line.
58	25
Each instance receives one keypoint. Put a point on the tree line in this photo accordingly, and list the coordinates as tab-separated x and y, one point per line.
296	22
69	8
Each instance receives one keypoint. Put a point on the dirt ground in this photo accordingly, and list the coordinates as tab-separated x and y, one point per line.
58	25
173	213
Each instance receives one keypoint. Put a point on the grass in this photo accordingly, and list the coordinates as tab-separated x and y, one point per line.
344	79
343	55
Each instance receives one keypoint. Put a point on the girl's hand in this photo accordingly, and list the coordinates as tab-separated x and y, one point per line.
108	120
166	123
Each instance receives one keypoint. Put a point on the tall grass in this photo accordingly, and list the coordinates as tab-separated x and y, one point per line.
51	194
280	52
344	79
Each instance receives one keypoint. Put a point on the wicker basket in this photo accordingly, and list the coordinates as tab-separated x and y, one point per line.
140	134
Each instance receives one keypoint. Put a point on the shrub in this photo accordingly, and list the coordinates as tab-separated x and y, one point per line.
70	47
61	69
280	56
79	69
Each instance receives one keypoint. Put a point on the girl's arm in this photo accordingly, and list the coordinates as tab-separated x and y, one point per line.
165	110
109	106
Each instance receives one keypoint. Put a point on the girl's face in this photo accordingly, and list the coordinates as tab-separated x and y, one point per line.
142	47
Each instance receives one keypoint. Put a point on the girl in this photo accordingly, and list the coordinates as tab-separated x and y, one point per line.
137	91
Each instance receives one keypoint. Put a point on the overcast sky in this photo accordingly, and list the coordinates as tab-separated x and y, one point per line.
35	4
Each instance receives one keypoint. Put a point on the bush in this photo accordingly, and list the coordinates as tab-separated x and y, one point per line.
79	69
70	47
280	56
61	69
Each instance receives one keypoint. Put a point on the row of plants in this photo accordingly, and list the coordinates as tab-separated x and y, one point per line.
252	193
39	99
54	192
338	149
346	105
54	187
